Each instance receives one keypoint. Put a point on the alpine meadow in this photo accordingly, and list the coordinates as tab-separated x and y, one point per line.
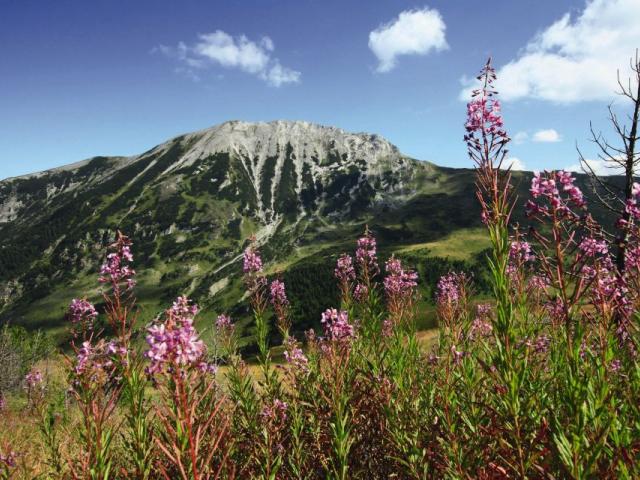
289	300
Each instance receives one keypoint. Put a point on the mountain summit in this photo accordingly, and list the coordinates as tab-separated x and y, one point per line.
273	169
189	204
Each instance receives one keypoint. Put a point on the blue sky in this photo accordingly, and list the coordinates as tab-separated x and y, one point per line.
116	77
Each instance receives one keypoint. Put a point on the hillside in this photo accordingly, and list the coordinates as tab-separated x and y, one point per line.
305	191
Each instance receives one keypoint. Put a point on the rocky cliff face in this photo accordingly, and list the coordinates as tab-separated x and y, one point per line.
271	169
195	199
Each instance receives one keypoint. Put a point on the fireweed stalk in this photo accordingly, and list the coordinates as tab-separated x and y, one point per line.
118	274
368	307
48	415
96	390
337	349
570	252
256	284
486	141
268	450
575	257
95	386
192	412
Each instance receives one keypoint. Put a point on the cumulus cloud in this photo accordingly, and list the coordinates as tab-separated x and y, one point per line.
520	138
221	49
576	58
547	136
515	163
599	167
414	32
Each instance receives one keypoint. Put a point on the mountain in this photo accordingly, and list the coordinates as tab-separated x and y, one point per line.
305	191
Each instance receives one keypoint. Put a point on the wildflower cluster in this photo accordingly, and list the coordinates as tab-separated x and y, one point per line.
82	314
252	262
280	304
175	342
336	325
539	380
116	271
555	193
366	255
295	356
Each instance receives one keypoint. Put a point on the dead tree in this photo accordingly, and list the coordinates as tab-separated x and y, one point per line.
622	156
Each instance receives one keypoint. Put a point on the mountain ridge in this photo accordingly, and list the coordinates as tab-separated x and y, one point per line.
304	190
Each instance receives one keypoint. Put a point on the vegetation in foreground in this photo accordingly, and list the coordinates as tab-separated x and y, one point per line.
540	382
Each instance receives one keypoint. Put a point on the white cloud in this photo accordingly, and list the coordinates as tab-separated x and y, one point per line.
414	32
520	138
577	57
516	163
547	136
599	167
278	75
220	48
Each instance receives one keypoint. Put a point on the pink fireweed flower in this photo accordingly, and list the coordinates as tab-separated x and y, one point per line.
632	207
276	412
33	379
81	311
360	293
225	330
278	294
344	270
399	283
366	255
520	251
175	343
252	263
623	332
223	322
484	116
93	358
632	257
449	288
480	328
280	305
254	279
8	460
295	357
610	293
387	327
541	344
336	325
481	325
94	365
554	191
483	310
555	309
83	356
208	367
184	309
451	302
456	355
486	139
116	350
400	289
116	270
3	402
591	247
615	365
